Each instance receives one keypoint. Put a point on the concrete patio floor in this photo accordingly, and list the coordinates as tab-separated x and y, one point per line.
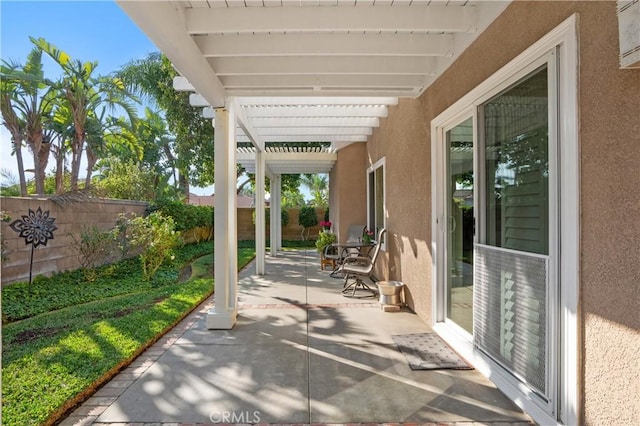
301	353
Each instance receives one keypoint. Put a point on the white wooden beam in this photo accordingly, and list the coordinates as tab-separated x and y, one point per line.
350	45
209	112
315	65
308	138
403	92
197	100
303	131
349	81
181	84
318	111
331	19
245	124
292	157
317	101
260	122
164	24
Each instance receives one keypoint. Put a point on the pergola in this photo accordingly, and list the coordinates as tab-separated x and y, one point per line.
298	71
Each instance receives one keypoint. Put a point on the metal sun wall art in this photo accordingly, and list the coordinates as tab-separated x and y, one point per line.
37	229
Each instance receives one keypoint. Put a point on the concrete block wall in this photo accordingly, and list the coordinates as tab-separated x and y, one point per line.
247	229
58	254
70	218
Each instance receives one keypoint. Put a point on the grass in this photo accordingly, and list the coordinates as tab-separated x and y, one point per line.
52	358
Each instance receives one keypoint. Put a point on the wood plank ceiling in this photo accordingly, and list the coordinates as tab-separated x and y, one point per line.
310	71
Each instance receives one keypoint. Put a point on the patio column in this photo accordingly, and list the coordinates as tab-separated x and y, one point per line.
223	315
275	214
260	219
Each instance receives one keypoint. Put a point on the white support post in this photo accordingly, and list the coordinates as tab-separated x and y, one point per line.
277	200
223	315
275	214
260	214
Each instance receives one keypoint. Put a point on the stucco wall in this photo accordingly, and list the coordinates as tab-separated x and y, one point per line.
57	255
610	177
610	207
403	140
348	189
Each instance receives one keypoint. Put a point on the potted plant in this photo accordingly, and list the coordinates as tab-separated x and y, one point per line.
367	236
325	238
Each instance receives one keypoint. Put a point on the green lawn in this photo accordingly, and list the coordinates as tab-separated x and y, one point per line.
73	333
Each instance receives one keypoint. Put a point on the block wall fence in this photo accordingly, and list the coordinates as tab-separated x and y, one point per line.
71	218
247	229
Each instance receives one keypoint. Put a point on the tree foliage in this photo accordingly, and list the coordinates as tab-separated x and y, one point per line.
153	77
319	187
125	180
87	98
307	218
73	115
27	102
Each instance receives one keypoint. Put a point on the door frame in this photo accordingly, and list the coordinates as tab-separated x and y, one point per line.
567	368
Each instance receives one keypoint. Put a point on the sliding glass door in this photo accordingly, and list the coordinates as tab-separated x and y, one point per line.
511	317
498	218
460	224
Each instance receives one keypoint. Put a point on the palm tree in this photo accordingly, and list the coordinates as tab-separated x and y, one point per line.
60	130
33	108
152	77
13	123
158	145
319	188
84	94
107	135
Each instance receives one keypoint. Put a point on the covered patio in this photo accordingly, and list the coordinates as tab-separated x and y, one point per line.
414	102
300	353
299	71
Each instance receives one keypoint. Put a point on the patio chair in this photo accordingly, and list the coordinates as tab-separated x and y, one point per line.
338	254
359	267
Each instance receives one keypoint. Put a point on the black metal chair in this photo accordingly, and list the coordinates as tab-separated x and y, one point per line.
359	267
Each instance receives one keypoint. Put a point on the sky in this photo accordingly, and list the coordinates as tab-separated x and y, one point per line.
87	30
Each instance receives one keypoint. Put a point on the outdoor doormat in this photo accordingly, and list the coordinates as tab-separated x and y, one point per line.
427	351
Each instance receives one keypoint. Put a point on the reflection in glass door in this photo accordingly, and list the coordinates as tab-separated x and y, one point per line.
460	222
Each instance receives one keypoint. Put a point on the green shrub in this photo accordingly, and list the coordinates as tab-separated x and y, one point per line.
187	216
92	247
121	235
307	218
284	216
155	235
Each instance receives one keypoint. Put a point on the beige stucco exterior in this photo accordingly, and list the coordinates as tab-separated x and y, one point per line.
609	142
348	186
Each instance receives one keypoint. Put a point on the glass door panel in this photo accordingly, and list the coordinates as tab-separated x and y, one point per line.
460	224
512	266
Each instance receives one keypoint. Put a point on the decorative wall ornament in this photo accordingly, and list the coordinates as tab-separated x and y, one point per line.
36	228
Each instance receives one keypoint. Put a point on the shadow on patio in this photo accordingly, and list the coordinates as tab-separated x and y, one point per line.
300	353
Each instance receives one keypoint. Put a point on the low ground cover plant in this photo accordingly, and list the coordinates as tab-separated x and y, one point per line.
74	333
70	288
